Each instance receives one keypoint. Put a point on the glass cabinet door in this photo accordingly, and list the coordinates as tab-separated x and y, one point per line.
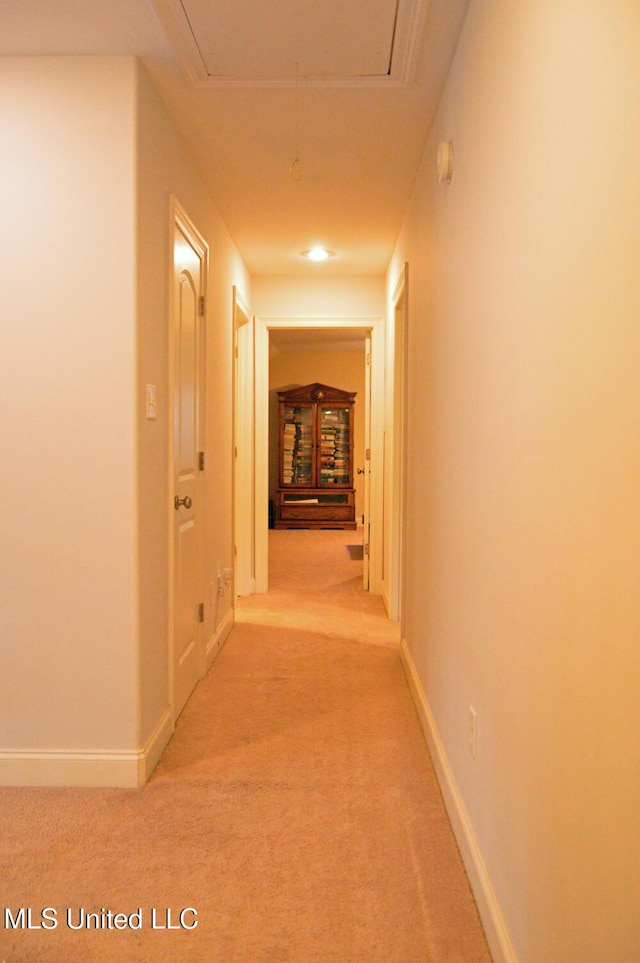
297	445
334	445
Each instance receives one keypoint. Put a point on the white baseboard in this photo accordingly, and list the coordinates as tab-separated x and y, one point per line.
125	769
102	768
217	640
34	767
495	929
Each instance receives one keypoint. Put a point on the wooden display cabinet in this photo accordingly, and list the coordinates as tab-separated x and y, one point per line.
315	458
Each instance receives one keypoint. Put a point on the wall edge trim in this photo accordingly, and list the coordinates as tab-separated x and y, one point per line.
155	745
495	928
103	768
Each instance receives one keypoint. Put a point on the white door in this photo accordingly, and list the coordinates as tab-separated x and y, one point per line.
189	268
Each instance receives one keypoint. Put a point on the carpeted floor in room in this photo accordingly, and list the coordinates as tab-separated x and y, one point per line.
295	808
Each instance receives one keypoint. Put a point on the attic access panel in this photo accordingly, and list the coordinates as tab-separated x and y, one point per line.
278	42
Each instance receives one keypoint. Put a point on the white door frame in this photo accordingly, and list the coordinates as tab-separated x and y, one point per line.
395	452
366	517
263	325
243	448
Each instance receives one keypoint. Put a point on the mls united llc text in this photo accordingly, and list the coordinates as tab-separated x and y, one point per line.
49	918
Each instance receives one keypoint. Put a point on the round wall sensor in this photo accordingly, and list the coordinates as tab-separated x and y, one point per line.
445	161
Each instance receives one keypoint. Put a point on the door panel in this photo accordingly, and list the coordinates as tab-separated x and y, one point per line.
187	490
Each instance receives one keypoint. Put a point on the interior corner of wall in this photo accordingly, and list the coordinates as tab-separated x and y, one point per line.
495	928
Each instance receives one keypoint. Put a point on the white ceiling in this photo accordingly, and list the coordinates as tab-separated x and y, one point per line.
348	86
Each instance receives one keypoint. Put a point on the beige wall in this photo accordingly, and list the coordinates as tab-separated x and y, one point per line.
93	159
340	369
524	350
69	606
165	168
334	297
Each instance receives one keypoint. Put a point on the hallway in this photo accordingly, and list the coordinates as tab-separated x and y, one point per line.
481	210
295	808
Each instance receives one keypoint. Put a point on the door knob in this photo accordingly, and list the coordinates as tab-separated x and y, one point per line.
360	471
187	501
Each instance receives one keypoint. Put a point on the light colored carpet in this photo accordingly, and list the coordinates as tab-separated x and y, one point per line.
295	808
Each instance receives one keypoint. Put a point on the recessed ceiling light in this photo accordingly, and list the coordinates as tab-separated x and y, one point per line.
317	254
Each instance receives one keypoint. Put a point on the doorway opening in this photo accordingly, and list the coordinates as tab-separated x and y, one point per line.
324	371
366	337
